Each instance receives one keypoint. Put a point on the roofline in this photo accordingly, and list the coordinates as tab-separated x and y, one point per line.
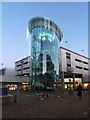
37	17
74	52
60	48
56	27
22	59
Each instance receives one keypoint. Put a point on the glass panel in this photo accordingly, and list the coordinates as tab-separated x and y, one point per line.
45	54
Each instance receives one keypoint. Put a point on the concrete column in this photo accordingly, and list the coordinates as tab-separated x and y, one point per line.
44	63
82	80
62	82
74	81
18	92
89	102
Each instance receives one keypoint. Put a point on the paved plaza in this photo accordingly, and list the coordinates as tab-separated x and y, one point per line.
56	106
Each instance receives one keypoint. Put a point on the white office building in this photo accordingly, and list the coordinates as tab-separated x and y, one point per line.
74	68
22	66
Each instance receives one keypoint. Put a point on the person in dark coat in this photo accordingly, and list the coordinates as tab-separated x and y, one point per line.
45	90
44	93
79	89
41	91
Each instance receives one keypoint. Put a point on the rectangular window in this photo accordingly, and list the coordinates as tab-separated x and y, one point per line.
19	65
48	57
25	68
68	55
78	67
86	69
68	65
78	60
18	70
26	63
85	62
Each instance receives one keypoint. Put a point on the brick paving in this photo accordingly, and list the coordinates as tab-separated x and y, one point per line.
56	106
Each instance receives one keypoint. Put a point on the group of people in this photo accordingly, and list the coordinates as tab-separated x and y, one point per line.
44	92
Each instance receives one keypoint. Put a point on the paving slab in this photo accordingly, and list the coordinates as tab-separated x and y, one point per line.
60	105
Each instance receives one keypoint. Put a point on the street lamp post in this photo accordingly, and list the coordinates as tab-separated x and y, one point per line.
2	65
82	52
66	43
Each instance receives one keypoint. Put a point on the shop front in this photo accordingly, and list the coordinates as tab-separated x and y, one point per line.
68	83
14	85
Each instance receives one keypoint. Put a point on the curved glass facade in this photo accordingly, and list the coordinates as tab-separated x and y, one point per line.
45	54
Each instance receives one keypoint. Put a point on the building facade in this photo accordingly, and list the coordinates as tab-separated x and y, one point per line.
22	67
12	82
74	69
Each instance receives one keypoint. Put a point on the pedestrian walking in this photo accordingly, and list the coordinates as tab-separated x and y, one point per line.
41	92
45	90
79	89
